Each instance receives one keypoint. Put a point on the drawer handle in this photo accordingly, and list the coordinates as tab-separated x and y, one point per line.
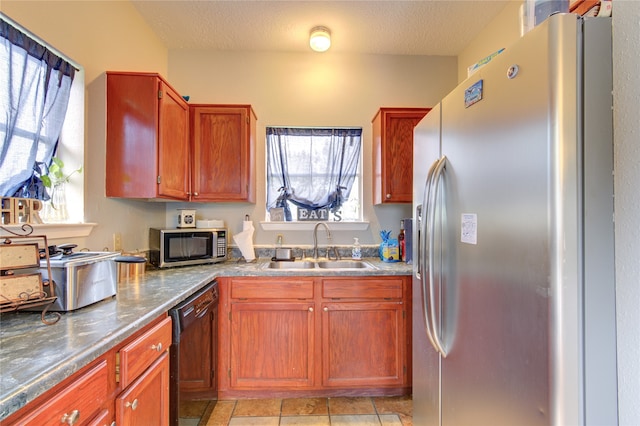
325	309
311	309
133	404
157	347
72	418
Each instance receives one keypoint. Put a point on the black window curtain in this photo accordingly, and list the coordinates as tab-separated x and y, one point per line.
35	85
311	167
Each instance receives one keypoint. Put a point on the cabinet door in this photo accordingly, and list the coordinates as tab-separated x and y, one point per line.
146	401
223	153
147	152
173	144
363	344
393	154
132	148
272	345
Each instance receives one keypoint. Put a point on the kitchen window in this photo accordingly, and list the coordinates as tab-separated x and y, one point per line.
313	174
24	77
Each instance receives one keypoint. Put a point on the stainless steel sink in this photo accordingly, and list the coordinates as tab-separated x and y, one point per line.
345	264
291	265
321	264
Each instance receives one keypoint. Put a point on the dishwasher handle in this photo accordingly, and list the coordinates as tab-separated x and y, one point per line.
203	306
194	308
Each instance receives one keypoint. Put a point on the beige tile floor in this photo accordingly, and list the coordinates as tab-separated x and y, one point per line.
340	411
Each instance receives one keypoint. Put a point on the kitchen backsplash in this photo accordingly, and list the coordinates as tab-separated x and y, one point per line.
343	251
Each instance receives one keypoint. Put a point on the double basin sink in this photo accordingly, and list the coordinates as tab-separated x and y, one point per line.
321	264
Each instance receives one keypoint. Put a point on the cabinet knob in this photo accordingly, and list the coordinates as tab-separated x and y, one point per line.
157	347
388	196
195	194
325	309
310	308
70	419
133	404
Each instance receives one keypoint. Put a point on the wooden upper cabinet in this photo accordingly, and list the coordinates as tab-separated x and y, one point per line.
147	138
223	141
393	153
581	7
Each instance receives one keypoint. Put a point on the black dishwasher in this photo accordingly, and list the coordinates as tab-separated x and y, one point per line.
193	353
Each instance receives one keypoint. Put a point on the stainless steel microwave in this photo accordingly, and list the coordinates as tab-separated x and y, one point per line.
182	247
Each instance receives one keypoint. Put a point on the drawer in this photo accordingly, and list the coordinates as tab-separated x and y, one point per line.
137	356
76	403
362	288
281	288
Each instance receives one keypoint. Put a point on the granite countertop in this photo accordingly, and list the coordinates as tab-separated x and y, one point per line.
34	357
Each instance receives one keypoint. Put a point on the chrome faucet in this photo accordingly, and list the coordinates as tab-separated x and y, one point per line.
315	239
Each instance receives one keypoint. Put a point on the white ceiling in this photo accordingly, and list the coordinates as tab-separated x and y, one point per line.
403	27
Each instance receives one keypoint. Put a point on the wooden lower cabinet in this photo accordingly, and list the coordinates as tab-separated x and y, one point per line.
292	336
364	344
365	331
143	366
146	400
272	345
128	385
82	401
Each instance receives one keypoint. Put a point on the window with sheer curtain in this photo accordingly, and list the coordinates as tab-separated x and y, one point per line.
35	85
313	174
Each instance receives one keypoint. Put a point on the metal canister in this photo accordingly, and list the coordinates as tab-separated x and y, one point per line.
130	267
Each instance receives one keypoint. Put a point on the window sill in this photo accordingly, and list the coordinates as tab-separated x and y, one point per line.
308	226
53	230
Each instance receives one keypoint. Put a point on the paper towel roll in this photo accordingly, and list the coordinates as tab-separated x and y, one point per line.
244	240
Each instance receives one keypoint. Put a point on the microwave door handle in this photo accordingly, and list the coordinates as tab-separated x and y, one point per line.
437	177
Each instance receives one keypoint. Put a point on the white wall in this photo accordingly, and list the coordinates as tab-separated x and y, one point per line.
503	31
309	89
626	128
500	33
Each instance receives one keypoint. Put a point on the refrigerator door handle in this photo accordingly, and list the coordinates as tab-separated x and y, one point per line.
418	216
431	223
422	212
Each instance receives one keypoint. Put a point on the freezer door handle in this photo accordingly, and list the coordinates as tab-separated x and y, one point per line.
422	214
438	173
418	216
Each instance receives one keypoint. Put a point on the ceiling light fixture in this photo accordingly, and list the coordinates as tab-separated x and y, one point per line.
320	39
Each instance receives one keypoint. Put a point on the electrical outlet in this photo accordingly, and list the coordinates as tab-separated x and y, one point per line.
117	242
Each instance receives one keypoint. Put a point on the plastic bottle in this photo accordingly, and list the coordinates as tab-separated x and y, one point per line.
401	241
356	250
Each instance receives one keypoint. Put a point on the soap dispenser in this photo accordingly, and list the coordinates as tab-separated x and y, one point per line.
356	251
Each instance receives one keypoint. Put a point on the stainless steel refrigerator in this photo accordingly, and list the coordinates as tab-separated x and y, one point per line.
513	280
